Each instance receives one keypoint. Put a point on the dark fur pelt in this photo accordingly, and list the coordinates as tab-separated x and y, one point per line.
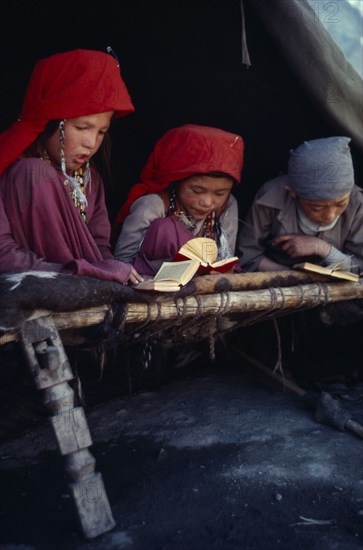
23	293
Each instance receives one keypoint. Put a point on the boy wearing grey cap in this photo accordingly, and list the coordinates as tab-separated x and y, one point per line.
313	213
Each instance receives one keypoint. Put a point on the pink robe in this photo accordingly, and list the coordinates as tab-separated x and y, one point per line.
41	229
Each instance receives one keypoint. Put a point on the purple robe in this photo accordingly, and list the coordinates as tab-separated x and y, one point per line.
162	241
41	228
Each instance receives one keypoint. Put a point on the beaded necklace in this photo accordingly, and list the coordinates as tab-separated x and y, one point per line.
78	176
78	194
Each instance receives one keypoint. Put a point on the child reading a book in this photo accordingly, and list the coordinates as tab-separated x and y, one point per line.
52	201
314	213
185	192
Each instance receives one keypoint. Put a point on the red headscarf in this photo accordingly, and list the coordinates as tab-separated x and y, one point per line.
65	85
183	152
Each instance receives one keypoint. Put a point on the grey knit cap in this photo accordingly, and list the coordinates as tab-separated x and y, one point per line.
321	169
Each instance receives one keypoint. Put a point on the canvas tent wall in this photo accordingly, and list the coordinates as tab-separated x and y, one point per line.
329	79
182	62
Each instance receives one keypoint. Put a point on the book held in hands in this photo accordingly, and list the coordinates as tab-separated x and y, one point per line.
205	250
197	256
336	271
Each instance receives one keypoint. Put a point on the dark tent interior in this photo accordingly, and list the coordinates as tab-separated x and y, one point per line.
182	63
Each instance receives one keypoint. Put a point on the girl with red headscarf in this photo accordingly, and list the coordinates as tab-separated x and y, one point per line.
52	205
185	192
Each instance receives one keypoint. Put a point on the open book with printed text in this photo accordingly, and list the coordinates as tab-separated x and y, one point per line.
171	276
336	271
205	250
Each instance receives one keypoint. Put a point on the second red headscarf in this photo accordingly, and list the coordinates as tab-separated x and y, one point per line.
184	151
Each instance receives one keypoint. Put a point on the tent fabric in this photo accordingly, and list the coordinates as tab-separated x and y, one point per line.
246	60
317	61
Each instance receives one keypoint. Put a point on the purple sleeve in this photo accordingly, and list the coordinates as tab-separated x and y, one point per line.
162	241
99	223
14	258
109	270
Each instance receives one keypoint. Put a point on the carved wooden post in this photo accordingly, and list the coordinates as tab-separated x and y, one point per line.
51	370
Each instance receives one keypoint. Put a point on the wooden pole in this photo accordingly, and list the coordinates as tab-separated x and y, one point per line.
243	302
268	375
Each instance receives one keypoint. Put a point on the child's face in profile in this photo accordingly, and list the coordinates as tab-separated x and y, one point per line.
324	212
199	195
82	138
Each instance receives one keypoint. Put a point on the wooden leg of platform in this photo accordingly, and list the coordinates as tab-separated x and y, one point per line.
51	371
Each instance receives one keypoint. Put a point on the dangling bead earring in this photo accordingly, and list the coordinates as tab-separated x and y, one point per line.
182	216
61	149
172	202
44	155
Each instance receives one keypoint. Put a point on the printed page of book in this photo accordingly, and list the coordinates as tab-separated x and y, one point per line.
177	270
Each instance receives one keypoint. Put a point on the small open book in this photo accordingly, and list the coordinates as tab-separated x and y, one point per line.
171	276
337	271
205	250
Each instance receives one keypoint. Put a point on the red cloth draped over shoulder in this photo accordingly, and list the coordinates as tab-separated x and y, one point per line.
180	153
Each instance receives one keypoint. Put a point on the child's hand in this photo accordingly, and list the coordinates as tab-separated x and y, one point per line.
302	245
135	277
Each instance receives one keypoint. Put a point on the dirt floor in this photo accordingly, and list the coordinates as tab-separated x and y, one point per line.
208	461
